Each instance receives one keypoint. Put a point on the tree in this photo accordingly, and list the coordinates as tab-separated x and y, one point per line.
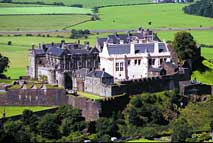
48	127
106	126
181	131
185	46
4	63
15	132
29	119
69	126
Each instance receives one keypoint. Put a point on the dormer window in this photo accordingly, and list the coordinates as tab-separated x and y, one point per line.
137	51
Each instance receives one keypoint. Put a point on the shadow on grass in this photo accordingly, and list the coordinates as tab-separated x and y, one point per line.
200	66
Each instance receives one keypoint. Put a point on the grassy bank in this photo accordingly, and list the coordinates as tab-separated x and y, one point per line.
132	17
43	10
17	110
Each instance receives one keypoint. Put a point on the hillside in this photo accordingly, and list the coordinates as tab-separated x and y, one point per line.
84	3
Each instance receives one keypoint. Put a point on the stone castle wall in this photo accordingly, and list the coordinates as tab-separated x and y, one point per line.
45	97
89	109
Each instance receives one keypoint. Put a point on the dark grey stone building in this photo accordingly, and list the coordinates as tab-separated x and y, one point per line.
57	62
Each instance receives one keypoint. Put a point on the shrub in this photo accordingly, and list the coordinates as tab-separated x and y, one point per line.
29	34
9	43
77	5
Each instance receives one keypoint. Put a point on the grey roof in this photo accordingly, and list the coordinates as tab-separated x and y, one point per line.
162	47
55	51
94	50
78	51
119	49
151	69
39	52
142	48
171	65
115	39
101	41
99	74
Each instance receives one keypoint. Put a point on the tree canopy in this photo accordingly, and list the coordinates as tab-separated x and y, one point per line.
185	46
181	131
201	8
4	63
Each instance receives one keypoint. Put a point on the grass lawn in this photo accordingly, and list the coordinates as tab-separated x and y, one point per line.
89	96
132	17
198	114
43	10
207	53
206	76
17	110
91	3
17	5
40	22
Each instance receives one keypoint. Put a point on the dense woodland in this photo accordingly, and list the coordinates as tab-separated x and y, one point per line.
146	115
201	8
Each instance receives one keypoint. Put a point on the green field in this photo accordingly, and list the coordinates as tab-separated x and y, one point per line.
17	5
43	10
132	17
204	76
17	110
89	96
207	53
40	22
91	3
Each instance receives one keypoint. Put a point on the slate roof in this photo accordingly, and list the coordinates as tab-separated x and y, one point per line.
69	48
101	41
99	74
39	52
151	69
118	49
162	47
171	65
56	51
115	39
142	48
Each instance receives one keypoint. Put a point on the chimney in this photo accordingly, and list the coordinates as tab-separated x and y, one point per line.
79	42
33	46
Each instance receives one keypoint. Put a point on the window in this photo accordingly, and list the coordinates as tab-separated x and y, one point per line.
117	66
129	62
136	62
139	62
153	61
161	61
121	66
150	61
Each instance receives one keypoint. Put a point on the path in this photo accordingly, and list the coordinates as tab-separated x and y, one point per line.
103	31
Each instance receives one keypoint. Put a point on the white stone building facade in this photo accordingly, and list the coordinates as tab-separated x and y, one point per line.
133	60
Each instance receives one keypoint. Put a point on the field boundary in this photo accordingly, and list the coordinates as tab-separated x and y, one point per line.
46	14
85	21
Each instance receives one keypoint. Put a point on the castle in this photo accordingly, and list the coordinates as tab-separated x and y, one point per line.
116	58
57	62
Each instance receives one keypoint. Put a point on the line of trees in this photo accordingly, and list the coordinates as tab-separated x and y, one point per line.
4	64
201	8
